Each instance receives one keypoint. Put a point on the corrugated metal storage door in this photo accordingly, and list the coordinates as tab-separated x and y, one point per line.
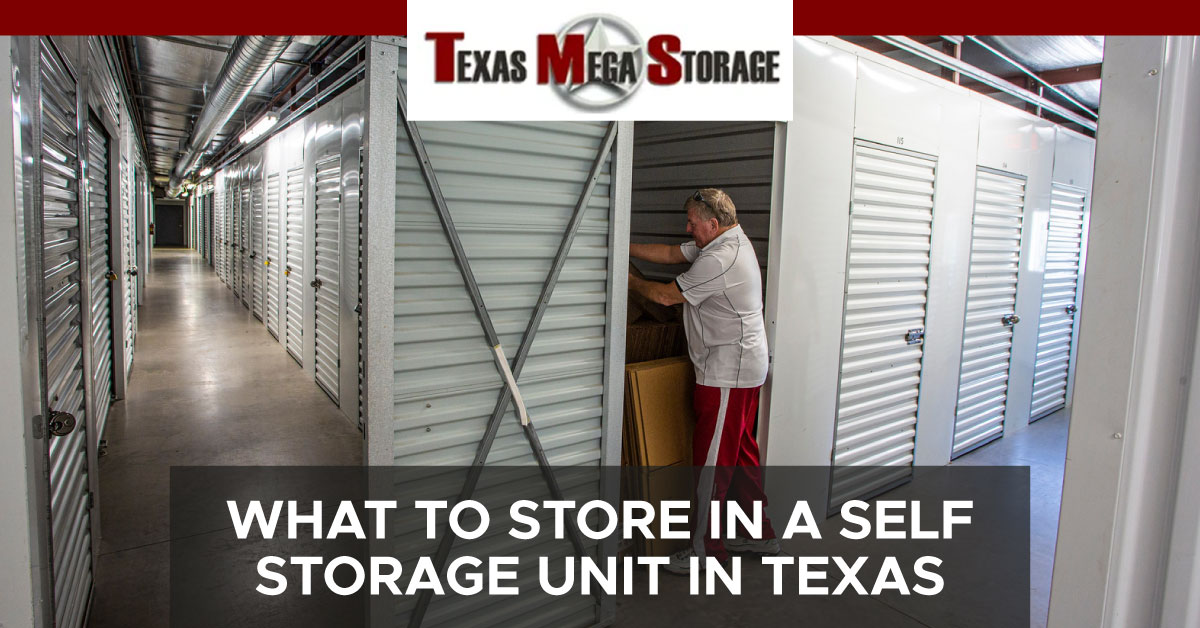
129	244
1060	300
327	272
62	340
255	259
235	238
887	276
273	262
219	234
991	309
245	273
294	317
98	263
511	189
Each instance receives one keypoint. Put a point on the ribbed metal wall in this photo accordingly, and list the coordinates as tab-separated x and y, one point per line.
99	284
671	160
1060	298
257	241
327	273
62	337
273	262
887	277
294	307
219	247
991	305
510	188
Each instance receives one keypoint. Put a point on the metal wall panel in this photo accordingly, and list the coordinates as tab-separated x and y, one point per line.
511	189
255	258
294	306
273	264
235	236
61	330
1060	300
99	253
887	278
991	311
327	273
671	160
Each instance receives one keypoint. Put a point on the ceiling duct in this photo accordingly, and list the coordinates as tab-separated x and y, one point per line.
247	62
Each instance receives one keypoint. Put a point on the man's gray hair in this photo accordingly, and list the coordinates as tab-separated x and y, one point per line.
713	203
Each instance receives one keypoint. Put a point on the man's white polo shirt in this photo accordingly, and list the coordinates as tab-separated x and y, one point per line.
722	315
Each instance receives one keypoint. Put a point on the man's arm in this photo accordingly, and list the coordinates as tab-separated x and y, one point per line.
661	293
658	253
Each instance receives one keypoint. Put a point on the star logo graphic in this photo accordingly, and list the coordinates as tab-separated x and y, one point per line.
604	34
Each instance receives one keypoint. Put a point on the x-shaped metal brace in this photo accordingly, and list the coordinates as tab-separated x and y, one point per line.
510	392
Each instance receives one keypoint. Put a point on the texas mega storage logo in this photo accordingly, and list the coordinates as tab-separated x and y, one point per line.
598	66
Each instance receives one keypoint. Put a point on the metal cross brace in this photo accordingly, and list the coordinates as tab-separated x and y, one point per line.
509	391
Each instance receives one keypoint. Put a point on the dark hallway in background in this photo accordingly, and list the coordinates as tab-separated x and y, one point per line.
169	229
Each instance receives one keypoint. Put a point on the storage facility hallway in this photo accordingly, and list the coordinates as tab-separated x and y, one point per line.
209	386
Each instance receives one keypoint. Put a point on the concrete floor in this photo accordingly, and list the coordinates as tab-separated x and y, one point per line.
209	386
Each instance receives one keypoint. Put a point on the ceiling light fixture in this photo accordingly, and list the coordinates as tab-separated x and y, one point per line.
204	172
263	125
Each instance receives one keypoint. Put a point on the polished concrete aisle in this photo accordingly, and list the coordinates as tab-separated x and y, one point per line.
209	386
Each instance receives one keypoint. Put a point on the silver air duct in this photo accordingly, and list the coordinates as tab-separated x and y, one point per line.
247	62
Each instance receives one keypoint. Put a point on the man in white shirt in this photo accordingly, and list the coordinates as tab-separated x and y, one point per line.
727	343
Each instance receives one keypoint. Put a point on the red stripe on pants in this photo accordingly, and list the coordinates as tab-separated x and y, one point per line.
736	475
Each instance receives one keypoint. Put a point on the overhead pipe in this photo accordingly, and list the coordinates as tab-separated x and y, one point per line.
248	60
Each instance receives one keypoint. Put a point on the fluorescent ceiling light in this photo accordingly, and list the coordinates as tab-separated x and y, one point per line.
263	125
204	172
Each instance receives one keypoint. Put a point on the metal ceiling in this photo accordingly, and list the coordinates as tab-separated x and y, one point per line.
1040	65
1055	52
173	75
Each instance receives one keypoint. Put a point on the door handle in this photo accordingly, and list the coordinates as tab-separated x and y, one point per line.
1071	309
316	283
915	336
1010	319
133	272
60	423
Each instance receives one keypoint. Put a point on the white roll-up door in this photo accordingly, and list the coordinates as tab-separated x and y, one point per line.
98	275
327	272
129	245
887	277
991	309
1060	300
294	271
244	271
235	238
62	340
274	262
255	258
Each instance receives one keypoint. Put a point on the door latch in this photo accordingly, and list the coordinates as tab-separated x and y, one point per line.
133	272
1010	319
111	276
60	423
253	255
316	283
915	336
1071	309
267	262
287	270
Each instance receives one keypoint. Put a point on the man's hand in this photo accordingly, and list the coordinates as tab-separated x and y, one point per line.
660	293
657	253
